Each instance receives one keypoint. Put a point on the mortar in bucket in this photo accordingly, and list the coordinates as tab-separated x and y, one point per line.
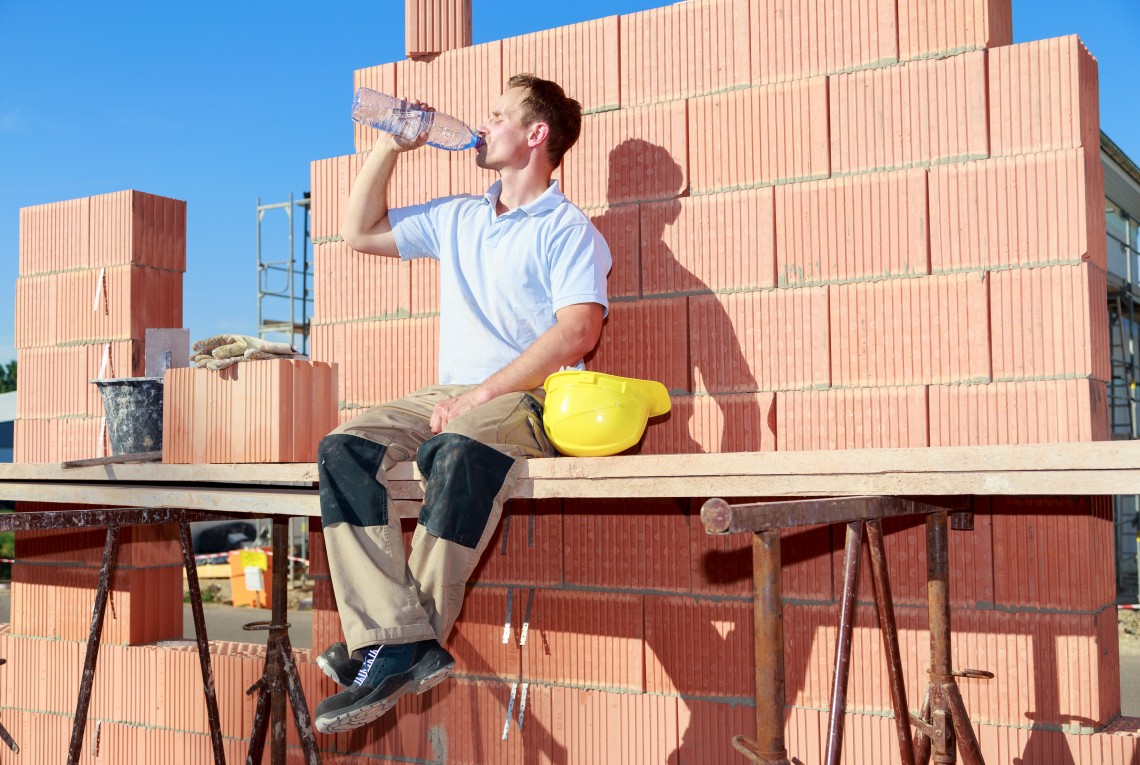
133	406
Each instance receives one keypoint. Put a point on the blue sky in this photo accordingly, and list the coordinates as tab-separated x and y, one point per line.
222	103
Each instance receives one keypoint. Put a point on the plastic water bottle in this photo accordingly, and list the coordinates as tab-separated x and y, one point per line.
398	117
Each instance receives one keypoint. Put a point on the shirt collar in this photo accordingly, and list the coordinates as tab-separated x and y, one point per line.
549	199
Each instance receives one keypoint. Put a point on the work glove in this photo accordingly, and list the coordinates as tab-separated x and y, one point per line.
231	346
205	361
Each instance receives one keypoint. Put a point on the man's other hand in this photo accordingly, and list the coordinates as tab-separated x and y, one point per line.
446	411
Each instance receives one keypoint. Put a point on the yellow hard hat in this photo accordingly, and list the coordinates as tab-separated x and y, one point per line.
590	414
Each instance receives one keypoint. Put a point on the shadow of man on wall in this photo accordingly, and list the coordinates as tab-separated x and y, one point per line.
652	262
657	255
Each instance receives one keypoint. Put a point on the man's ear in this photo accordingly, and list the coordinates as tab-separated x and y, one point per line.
539	132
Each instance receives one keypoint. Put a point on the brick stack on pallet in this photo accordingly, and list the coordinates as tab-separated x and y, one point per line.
272	410
95	273
835	225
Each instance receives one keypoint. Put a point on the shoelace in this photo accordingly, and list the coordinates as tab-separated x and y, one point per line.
369	657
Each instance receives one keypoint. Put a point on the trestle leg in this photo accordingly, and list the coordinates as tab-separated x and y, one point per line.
94	637
280	682
203	643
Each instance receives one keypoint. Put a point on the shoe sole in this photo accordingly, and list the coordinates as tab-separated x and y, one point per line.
364	713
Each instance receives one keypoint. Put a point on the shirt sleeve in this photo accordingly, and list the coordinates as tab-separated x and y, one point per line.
580	265
417	228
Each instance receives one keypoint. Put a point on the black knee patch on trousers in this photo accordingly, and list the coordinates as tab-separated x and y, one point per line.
350	493
463	479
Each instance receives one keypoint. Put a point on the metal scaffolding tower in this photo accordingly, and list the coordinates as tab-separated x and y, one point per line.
1122	212
282	286
284	291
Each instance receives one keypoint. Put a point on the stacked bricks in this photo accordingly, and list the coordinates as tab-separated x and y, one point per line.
260	411
94	274
147	703
835	225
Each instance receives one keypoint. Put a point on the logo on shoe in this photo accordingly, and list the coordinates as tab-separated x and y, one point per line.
369	658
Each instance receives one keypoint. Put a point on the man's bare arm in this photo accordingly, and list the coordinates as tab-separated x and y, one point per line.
366	227
573	335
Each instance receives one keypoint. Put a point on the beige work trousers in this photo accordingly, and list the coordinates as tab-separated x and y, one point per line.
383	596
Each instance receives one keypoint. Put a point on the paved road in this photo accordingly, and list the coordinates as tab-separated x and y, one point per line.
225	623
1130	684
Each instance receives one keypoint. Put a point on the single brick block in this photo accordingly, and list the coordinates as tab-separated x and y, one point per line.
646	339
610	545
684	50
771	340
632	155
971	565
708	243
1049	322
60	440
1037	209
912	114
727	422
135	228
929	28
587	639
364	351
594	728
485	639
852	418
847	229
678	627
55	237
434	26
801	38
57	380
932	329
760	136
526	548
1023	412
1047	552
1043	96
587	64
96	305
350	286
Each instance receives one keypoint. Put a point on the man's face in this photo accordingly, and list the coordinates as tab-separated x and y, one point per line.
504	134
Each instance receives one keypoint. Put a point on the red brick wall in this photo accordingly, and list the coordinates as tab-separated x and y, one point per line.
834	226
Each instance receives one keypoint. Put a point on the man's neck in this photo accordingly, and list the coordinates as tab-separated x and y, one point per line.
521	187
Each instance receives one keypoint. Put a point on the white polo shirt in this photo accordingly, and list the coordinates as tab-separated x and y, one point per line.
502	278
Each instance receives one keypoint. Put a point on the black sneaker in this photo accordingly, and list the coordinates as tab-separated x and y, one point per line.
337	663
386	674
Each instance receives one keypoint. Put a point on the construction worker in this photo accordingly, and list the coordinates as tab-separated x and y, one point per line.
522	294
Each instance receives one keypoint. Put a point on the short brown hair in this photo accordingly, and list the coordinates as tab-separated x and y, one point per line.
547	102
